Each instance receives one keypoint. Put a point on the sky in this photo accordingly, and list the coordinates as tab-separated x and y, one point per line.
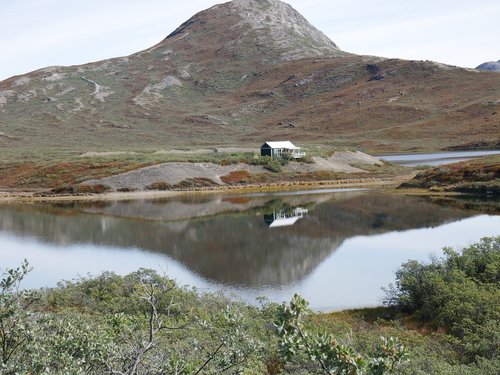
39	33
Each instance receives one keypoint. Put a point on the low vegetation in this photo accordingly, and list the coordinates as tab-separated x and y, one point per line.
63	175
186	184
458	293
145	323
444	315
81	176
236	177
479	176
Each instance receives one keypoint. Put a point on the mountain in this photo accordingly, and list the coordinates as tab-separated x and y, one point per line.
490	65
238	74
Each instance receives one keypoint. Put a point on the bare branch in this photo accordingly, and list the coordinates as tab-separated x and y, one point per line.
210	358
245	357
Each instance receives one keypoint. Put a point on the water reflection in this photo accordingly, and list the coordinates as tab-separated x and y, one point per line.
280	214
222	241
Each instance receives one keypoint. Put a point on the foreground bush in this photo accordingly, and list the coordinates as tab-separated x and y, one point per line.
460	293
136	324
322	349
143	323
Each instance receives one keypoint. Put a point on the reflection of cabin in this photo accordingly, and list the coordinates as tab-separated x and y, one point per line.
284	218
280	149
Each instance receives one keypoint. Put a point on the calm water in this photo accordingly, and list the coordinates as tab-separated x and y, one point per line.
336	248
437	158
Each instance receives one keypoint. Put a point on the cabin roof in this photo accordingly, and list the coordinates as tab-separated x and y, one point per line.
282	144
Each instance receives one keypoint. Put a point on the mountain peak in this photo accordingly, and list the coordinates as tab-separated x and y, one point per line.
287	28
274	29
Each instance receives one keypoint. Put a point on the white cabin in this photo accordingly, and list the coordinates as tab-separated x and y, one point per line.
280	149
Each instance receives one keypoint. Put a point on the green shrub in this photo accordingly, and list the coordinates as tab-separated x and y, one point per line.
306	159
145	323
285	159
272	164
135	324
459	293
322	349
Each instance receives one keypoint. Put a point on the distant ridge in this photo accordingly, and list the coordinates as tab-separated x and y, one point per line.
490	65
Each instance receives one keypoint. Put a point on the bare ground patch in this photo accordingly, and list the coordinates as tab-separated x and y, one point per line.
172	174
177	174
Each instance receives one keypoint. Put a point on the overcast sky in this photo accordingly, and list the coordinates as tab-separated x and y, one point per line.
39	33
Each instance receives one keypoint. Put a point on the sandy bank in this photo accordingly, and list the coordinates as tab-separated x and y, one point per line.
236	189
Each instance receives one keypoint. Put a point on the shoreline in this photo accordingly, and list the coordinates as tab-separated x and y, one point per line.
27	196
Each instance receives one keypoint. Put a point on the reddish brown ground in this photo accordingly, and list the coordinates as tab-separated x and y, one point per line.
236	177
33	175
479	176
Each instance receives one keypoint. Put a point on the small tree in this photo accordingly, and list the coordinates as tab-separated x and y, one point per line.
15	322
273	164
321	348
458	292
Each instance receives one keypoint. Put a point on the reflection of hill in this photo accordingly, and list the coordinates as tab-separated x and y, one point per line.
380	213
169	210
235	248
190	207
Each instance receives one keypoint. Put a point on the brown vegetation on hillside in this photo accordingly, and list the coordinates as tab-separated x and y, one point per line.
477	176
233	76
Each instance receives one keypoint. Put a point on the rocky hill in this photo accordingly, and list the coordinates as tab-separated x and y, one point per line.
240	73
493	66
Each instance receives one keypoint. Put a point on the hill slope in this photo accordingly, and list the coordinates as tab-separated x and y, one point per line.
478	176
240	73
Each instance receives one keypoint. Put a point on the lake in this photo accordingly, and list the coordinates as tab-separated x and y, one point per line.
335	247
435	158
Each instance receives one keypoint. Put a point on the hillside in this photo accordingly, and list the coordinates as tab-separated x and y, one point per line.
479	176
249	70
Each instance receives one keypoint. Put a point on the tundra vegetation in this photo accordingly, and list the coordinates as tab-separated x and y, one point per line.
444	314
479	176
72	176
